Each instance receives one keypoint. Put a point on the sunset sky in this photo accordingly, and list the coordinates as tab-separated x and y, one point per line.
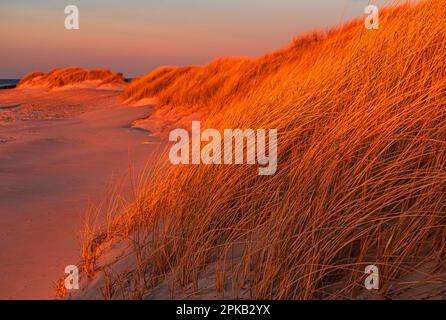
135	36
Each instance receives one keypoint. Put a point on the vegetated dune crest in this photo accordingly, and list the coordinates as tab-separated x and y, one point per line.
73	76
361	180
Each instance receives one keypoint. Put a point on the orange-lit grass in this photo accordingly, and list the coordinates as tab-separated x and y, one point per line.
361	179
66	76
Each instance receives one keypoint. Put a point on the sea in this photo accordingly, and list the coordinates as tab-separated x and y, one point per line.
8	83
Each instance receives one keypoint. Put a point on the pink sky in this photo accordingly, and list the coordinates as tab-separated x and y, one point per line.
135	36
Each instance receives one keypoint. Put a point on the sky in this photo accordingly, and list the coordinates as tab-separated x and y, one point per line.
136	36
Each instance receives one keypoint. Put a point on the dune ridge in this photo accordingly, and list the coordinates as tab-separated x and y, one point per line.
361	180
61	77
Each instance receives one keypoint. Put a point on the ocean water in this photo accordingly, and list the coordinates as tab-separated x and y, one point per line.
8	83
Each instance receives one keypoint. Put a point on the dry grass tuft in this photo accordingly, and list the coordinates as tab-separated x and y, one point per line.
361	117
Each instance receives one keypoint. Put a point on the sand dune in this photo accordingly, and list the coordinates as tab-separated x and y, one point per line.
73	76
361	174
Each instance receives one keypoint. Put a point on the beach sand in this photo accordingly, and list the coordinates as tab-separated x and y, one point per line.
59	149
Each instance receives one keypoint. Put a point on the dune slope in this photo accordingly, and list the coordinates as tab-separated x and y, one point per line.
70	76
361	180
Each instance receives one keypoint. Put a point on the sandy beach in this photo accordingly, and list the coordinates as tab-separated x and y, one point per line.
59	149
